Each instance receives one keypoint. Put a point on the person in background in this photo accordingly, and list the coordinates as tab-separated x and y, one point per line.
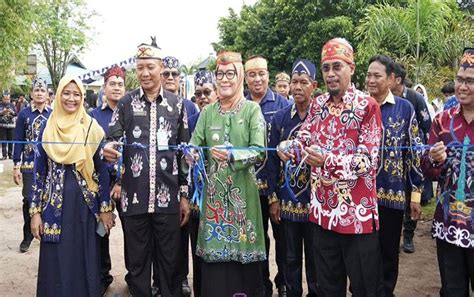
257	76
70	199
282	85
170	80
205	94
422	90
450	160
7	125
450	99
114	88
29	123
448	90
21	103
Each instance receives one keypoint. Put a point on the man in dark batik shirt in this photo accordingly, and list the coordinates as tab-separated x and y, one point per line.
152	122
291	205
398	88
29	123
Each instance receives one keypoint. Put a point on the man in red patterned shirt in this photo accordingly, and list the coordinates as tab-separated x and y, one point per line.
341	138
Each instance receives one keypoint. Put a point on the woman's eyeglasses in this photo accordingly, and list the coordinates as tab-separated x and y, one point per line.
230	74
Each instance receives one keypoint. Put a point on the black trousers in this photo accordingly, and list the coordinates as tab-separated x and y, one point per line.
183	265
6	134
456	268
279	278
125	253
296	237
409	225
147	235
193	234
25	192
338	256
389	236
232	279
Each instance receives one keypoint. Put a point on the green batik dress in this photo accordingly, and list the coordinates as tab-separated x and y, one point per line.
230	225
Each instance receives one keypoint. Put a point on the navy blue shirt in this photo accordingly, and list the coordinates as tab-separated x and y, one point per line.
7	120
29	123
295	205
270	104
191	108
399	164
103	115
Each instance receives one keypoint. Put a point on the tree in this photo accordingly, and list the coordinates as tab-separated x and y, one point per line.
60	28
15	38
425	36
283	31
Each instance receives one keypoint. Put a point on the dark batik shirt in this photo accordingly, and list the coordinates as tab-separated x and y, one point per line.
421	111
7	120
154	177
454	216
400	155
295	205
270	104
29	123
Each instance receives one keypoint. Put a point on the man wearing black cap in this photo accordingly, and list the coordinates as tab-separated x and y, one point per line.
7	124
151	122
450	159
291	205
28	125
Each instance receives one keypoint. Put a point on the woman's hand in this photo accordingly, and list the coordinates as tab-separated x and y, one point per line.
108	220
36	226
220	153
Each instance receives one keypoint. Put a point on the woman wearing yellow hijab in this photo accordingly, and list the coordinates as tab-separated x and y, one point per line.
70	196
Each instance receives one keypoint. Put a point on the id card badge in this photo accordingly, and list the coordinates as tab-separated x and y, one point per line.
162	140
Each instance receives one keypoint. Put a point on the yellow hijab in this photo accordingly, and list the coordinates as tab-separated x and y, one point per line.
73	131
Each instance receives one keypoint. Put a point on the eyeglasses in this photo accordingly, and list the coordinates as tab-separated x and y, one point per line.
167	74
206	93
230	74
336	66
461	80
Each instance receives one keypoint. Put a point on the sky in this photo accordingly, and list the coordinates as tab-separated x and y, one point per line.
184	28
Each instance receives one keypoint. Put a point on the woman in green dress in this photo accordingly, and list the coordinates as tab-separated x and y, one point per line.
230	237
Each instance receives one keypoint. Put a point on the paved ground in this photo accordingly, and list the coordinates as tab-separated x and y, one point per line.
418	272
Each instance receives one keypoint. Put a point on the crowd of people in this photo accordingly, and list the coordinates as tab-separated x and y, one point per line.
340	176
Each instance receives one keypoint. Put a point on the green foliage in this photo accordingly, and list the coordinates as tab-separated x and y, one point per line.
15	38
284	30
60	27
131	80
436	40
